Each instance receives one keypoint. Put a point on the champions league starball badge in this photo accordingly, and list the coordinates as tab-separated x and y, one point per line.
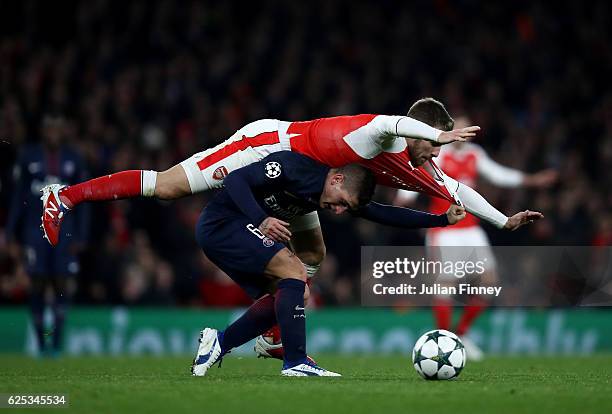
273	169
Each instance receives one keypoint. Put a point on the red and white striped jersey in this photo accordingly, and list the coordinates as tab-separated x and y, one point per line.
369	140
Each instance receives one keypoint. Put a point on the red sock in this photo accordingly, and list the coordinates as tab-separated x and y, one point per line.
443	312
274	332
124	184
475	306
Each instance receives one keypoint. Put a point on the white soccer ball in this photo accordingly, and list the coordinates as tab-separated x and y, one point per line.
438	355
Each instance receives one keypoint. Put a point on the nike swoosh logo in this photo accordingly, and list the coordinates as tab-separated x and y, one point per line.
309	373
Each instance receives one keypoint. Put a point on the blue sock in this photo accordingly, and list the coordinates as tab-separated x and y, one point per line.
256	320
59	317
289	306
37	309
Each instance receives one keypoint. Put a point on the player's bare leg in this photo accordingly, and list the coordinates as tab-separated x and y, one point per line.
309	247
172	184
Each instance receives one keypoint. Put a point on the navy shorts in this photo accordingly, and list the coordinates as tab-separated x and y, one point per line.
238	248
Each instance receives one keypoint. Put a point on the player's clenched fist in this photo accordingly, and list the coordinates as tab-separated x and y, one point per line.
275	229
455	214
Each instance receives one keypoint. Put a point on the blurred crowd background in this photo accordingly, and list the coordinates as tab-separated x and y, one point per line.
145	84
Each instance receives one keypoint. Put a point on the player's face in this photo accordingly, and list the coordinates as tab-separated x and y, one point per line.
422	151
335	197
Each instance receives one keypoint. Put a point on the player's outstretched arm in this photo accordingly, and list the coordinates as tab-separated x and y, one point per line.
503	176
404	126
541	179
408	218
480	207
475	203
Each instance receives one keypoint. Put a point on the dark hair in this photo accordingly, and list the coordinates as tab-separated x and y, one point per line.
433	113
358	180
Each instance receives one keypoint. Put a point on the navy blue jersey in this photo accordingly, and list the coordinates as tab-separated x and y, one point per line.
282	185
287	184
37	167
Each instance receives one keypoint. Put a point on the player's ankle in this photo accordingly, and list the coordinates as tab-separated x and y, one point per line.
63	197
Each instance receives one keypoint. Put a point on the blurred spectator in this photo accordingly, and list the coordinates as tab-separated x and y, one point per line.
146	84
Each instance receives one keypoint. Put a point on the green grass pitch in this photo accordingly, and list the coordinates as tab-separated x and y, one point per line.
370	385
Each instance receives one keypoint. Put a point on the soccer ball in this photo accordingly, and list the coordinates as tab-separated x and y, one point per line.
438	355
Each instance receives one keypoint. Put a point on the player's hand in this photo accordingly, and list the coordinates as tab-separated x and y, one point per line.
461	134
541	179
455	213
522	218
275	229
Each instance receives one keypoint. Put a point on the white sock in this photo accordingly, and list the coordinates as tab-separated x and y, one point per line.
311	269
149	178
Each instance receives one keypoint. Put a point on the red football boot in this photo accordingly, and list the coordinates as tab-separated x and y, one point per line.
53	213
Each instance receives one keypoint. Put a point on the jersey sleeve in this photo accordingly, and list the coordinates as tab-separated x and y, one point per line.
273	171
401	217
496	173
405	126
475	203
382	133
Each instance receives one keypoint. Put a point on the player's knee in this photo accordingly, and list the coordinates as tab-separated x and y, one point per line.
285	265
298	272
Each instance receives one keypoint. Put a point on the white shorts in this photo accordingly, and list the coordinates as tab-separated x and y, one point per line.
468	243
251	143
